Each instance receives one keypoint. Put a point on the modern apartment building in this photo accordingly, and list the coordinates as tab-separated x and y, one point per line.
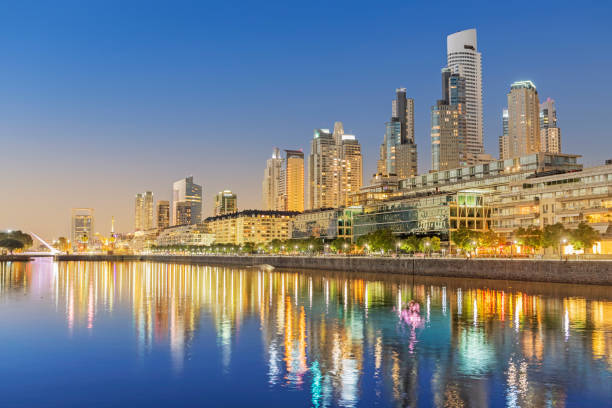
523	134
292	179
272	184
143	211
550	134
335	168
568	198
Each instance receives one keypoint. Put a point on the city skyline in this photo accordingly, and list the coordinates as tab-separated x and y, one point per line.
55	171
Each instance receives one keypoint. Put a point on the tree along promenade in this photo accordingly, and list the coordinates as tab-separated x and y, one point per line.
594	272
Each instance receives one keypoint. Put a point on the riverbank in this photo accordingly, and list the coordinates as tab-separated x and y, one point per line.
574	272
15	258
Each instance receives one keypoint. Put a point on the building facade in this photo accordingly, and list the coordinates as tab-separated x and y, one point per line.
163	214
398	150
293	181
568	198
438	214
464	59
226	202
143	211
326	223
550	134
82	226
335	168
185	235
250	226
187	196
523	135
272	185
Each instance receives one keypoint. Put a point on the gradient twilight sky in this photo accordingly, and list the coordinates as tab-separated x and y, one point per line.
104	99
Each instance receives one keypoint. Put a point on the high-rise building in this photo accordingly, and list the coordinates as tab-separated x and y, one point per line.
322	170
82	226
143	211
226	202
398	151
449	124
523	135
271	186
186	191
503	139
550	134
335	168
163	214
464	59
293	181
184	211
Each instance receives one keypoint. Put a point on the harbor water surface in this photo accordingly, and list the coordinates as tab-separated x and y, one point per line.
101	334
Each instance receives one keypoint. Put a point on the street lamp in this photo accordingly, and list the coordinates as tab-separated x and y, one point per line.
427	243
562	244
345	246
397	247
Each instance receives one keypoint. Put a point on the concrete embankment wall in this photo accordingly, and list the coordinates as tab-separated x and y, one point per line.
578	272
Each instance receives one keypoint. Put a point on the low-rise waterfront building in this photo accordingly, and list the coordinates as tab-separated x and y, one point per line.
440	202
252	226
327	223
429	214
185	235
569	199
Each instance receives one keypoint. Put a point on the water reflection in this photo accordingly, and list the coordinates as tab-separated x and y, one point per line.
346	339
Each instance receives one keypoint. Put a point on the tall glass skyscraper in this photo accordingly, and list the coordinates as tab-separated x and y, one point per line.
464	59
186	193
398	150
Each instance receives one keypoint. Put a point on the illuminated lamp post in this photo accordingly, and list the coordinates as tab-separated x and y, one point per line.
561	245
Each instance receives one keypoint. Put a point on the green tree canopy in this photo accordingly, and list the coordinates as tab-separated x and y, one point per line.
11	244
584	236
553	234
464	238
410	244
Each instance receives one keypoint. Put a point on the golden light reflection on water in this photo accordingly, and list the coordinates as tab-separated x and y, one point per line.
324	332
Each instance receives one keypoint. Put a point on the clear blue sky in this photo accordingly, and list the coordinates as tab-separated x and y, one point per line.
101	100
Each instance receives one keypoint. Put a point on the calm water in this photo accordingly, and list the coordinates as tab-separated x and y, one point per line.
147	334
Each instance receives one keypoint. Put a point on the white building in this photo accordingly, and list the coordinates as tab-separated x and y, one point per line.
463	58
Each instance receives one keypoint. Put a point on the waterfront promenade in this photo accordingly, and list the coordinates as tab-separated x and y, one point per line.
594	272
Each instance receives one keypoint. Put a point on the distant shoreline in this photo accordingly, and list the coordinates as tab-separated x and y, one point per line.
588	272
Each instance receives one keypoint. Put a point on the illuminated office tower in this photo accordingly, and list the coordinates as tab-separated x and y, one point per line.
449	124
163	214
82	225
523	120
186	191
398	151
550	134
271	186
293	181
226	202
335	168
464	59
143	211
